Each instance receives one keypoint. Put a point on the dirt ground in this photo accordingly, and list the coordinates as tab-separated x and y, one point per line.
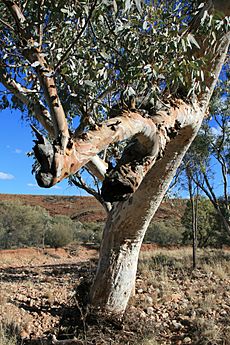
43	298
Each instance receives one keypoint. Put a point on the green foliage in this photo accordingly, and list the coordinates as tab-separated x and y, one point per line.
21	225
209	229
164	233
89	232
60	231
128	47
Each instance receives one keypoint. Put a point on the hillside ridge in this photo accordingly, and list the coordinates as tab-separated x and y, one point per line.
87	208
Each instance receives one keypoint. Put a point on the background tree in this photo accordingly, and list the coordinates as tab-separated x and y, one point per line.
60	231
209	231
139	76
207	160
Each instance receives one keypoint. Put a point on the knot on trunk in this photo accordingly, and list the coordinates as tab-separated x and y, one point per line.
122	181
138	157
119	184
54	160
44	153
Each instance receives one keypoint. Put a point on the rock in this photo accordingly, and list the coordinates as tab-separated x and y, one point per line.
149	300
140	291
165	315
187	340
143	314
175	297
24	334
176	325
192	314
150	310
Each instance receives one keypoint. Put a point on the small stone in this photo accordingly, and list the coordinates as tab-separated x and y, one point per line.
143	315
150	310
165	315
24	334
187	340
139	290
175	297
149	300
176	324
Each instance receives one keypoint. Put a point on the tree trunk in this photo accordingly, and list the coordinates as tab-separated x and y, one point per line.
127	224
212	197
193	223
194	230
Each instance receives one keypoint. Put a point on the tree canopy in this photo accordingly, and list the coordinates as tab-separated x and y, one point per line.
89	60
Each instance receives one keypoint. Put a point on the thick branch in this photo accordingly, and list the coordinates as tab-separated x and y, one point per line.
151	133
15	12
222	6
97	167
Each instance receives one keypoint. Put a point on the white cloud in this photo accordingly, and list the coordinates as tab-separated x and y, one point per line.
6	176
31	185
18	151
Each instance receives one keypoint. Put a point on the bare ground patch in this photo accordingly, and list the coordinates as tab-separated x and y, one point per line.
45	300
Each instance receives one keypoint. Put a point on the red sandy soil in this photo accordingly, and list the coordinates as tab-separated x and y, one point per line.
88	209
22	257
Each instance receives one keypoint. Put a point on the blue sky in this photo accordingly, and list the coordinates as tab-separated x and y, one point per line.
15	167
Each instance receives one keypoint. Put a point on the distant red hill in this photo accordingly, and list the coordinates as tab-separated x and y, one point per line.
88	209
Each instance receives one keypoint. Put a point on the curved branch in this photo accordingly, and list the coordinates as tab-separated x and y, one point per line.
44	72
152	135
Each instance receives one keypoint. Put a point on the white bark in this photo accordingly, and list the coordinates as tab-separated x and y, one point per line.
97	167
127	224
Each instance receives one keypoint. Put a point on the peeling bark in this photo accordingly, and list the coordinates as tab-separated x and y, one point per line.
151	136
126	227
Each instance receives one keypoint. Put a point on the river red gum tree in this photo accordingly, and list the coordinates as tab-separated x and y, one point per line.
156	139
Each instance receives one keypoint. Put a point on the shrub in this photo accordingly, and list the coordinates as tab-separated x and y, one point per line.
164	233
21	225
60	231
89	232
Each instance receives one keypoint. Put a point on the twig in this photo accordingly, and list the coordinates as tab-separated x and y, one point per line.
40	27
6	24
